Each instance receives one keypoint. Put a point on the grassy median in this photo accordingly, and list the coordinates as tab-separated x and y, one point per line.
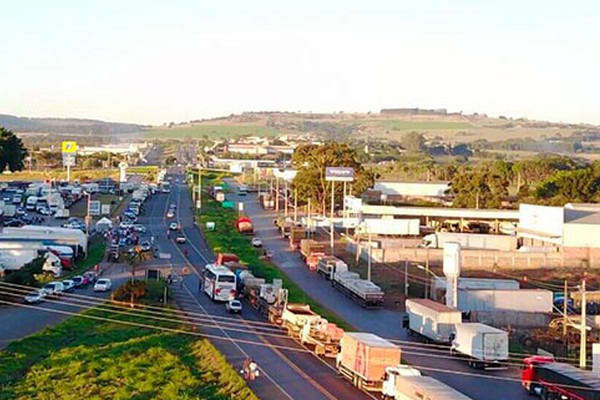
84	358
225	238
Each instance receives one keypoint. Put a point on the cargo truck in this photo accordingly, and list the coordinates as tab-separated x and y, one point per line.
484	346
15	259
329	265
543	377
470	241
431	320
295	316
244	226
364	358
524	300
420	387
364	292
297	233
322	336
311	251
269	299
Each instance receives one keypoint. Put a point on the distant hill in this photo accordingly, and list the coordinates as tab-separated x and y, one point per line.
70	126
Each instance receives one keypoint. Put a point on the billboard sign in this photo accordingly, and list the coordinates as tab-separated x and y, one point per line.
69	147
339	174
95	207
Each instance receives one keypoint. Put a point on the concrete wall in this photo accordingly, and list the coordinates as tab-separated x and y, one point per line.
581	235
486	259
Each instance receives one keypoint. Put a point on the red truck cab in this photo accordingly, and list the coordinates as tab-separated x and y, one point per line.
528	373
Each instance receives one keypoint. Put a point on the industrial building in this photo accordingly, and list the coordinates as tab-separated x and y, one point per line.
386	191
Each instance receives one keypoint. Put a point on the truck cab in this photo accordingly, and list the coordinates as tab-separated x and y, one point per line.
388	389
528	374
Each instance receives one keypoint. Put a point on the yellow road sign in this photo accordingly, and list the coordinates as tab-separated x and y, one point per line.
69	147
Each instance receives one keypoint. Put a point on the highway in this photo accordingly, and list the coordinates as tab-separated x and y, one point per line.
288	372
489	385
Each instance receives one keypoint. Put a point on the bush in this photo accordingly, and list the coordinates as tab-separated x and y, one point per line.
139	289
26	275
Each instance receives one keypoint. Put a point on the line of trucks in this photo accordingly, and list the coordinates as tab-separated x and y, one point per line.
369	362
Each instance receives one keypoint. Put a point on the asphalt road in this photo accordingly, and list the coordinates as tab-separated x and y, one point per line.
489	385
18	322
288	371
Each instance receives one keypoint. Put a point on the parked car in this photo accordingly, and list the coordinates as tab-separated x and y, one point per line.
13	223
170	214
173	226
68	285
54	288
145	246
139	228
126	224
103	285
36	296
78	281
44	211
91	276
233	306
180	239
257	242
20	211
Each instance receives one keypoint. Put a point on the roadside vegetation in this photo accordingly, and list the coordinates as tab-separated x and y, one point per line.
96	355
225	238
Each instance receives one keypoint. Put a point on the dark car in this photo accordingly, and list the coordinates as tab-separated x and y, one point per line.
13	222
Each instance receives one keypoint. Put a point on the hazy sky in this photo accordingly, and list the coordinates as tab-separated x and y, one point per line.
157	61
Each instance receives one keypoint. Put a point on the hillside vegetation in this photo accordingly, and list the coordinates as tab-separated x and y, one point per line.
450	128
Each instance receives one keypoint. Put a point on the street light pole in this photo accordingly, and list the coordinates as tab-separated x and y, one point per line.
199	186
369	259
331	224
405	278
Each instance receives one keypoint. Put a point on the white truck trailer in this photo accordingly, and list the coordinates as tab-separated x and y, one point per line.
420	387
470	241
362	291
524	300
484	346
432	320
15	259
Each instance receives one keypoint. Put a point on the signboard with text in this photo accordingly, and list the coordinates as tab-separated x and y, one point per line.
69	160
339	174
69	147
94	207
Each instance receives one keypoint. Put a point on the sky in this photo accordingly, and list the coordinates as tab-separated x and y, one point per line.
155	61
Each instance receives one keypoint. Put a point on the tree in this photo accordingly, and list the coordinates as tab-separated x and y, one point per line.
171	160
12	151
484	187
413	142
311	160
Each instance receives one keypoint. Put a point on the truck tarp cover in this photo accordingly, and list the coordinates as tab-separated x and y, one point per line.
572	379
368	355
244	224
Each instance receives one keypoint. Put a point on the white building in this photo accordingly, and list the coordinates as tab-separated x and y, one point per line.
398	191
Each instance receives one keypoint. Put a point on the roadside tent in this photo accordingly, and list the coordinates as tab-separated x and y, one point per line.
103	224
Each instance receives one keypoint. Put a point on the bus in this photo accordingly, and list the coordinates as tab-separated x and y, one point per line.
219	283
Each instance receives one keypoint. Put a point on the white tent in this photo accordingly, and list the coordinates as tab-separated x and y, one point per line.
103	224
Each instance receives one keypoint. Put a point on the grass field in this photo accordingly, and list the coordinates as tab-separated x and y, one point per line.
211	131
84	358
225	238
422	125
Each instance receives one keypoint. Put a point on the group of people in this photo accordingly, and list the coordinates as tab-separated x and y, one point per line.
250	369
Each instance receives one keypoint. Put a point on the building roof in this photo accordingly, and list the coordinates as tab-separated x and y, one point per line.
582	216
433	305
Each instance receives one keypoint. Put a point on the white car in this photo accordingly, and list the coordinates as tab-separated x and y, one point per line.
36	296
68	285
54	288
102	285
180	239
173	226
234	306
257	242
126	225
170	214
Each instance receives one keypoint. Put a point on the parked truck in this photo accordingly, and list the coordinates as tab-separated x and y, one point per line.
329	265
15	259
420	387
297	233
322	336
484	346
311	251
364	358
269	299
525	300
432	320
295	316
543	377
390	226
244	226
470	241
362	291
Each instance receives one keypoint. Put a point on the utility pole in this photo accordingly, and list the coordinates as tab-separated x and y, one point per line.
405	278
565	297
277	194
286	198
295	205
344	209
369	260
427	278
199	186
583	333
309	220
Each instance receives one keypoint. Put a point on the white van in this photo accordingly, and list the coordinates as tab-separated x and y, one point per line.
54	288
